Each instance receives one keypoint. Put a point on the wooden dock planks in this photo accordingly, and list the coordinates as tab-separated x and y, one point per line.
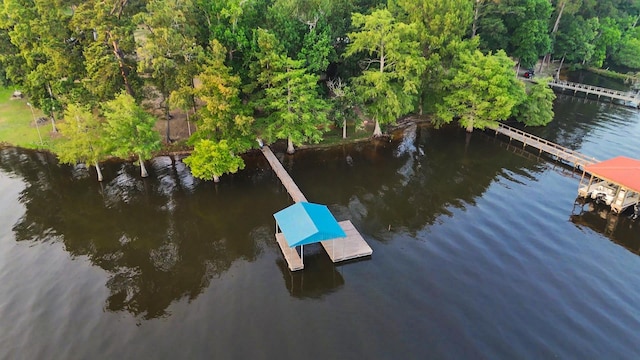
286	180
341	249
351	247
570	156
595	90
294	261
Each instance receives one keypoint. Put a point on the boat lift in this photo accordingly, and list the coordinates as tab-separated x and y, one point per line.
614	182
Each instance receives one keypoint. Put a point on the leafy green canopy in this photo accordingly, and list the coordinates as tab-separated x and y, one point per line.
129	130
393	65
210	160
224	116
482	91
81	137
537	107
290	98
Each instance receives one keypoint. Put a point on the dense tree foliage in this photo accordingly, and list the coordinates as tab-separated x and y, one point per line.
129	130
84	140
210	160
268	68
537	107
482	91
393	66
295	111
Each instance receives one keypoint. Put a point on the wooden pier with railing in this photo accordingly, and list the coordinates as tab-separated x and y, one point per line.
627	97
571	157
614	182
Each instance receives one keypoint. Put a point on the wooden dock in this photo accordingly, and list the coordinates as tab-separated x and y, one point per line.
294	261
571	157
351	247
627	97
287	181
340	249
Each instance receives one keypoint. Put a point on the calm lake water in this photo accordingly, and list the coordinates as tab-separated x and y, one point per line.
479	253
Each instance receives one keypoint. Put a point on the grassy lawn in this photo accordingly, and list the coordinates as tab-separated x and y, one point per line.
16	123
334	136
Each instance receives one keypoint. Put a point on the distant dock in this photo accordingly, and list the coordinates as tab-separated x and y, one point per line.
626	97
339	249
571	157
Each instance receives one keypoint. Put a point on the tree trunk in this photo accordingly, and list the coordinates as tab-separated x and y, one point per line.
193	97
290	148
167	116
188	123
344	128
143	169
560	68
377	132
53	109
476	17
470	127
53	122
98	170
124	72
547	57
216	178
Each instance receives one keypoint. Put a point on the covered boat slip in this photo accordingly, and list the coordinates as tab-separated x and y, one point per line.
307	223
616	182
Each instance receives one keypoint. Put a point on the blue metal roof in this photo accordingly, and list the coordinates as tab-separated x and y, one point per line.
307	223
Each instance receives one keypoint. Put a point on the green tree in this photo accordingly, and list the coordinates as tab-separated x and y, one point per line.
81	141
296	111
561	6
537	107
520	27
105	29
607	41
129	130
482	91
224	116
342	108
51	58
167	49
390	81
317	50
628	54
441	26
210	160
575	39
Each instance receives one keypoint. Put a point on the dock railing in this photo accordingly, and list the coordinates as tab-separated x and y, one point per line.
566	154
596	90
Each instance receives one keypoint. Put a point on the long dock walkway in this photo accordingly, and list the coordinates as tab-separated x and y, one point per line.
596	90
287	181
562	153
341	249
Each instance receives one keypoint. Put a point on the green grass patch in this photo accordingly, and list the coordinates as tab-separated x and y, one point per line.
16	123
334	136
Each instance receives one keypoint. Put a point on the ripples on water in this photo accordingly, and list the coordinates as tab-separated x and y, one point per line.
479	252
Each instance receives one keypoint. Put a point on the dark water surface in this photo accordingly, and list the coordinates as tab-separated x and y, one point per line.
479	252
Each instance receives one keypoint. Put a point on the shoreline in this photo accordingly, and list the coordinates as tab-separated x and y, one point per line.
389	135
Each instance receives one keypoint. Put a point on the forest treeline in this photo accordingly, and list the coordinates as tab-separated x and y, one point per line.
288	69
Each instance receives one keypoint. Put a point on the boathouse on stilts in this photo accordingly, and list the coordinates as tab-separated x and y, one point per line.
614	182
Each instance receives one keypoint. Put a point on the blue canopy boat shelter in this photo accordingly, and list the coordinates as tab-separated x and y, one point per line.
306	223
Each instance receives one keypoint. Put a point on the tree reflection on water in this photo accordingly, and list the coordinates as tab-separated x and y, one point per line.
158	241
